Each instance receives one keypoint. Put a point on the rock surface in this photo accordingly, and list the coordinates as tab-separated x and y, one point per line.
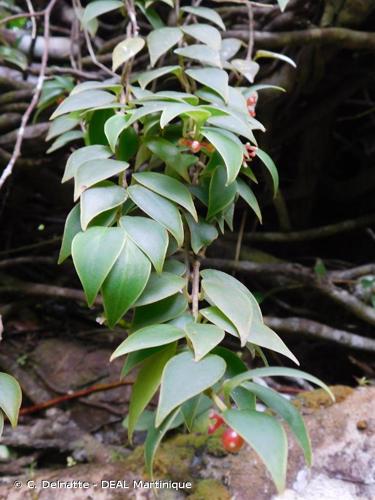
343	439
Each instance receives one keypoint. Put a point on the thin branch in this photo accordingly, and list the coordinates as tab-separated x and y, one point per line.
22	15
195	290
17	148
318	330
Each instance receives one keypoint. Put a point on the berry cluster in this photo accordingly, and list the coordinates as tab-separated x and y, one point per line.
231	441
251	103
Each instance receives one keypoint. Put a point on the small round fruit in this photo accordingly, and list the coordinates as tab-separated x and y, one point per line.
232	441
195	146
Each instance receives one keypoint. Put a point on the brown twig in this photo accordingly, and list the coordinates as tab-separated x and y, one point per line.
17	148
74	395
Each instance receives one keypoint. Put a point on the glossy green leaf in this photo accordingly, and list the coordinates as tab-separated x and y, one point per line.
159	287
288	412
13	56
271	167
10	397
161	40
214	78
233	303
220	195
249	69
64	139
150	336
95	85
99	199
200	53
171	112
159	209
160	312
149	236
201	233
263	336
215	316
235	124
274	55
204	33
94	171
204	338
99	7
147	77
274	371
177	384
94	253
229	48
71	228
229	150
84	100
125	50
266	436
113	128
205	13
125	282
147	383
163	149
135	358
154	438
82	155
61	125
194	408
247	194
169	188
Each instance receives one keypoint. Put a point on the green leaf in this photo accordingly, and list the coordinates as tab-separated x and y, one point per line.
160	312
274	55
83	155
149	236
94	85
159	287
161	40
169	188
235	124
135	358
1	423
147	383
154	438
204	338
247	194
205	13
178	385
282	4
229	150
10	397
84	100
159	209
72	227
145	421
274	371
163	149
113	128
215	316
214	78
125	50
61	125
99	7
233	303
220	195
94	171
200	53
147	77
271	167
94	253
64	139
288	412
199	115
13	56
263	336
229	48
96	200
150	336
248	69
204	33
193	408
125	282
201	233
266	436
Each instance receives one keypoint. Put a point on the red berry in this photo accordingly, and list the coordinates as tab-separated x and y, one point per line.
216	422
195	146
232	441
